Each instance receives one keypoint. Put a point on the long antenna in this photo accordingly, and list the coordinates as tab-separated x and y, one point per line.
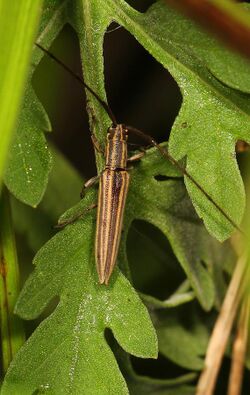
77	76
143	135
185	173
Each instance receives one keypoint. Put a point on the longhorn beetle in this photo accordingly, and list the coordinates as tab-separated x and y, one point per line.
114	182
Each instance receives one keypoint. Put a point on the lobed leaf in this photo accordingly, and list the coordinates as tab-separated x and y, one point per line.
196	134
68	352
37	225
29	160
71	340
166	206
212	117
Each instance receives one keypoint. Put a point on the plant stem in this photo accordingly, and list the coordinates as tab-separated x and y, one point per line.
12	331
222	329
239	350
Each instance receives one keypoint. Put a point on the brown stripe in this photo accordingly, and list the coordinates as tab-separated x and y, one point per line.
98	242
113	190
122	178
116	152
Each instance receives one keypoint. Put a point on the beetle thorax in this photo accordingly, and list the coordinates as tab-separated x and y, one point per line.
116	150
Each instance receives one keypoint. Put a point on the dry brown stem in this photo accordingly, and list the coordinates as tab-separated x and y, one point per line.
221	331
239	350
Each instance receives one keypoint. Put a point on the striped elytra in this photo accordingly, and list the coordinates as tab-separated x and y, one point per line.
113	188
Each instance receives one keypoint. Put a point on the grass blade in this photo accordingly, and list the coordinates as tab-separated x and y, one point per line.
12	332
18	24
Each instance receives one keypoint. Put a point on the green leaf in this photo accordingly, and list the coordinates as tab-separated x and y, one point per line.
139	384
18	24
214	55
212	117
145	385
152	263
178	298
166	206
79	350
29	161
196	134
183	340
149	388
66	267
36	225
74	351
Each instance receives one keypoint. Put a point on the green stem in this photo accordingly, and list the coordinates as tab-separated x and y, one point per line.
12	331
